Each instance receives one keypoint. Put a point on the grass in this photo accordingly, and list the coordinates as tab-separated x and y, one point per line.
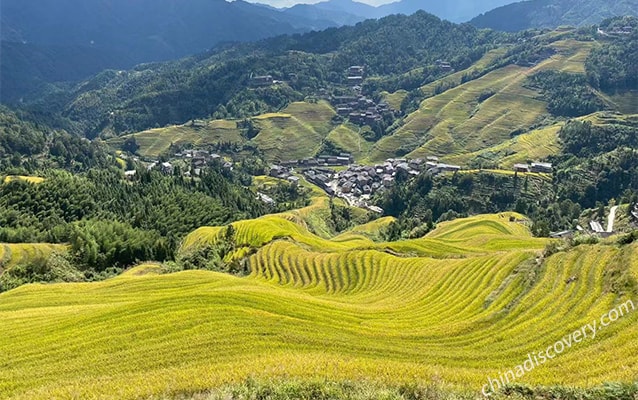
467	301
30	179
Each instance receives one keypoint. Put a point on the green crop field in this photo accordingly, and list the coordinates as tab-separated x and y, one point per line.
292	128
157	141
294	133
20	253
348	138
30	179
533	146
466	302
455	123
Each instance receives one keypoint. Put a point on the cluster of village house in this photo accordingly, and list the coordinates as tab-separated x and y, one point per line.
195	159
356	107
359	109
539	167
357	183
625	30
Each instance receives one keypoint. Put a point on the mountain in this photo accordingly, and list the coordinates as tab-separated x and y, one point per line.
323	17
347	12
196	87
553	13
49	40
454	10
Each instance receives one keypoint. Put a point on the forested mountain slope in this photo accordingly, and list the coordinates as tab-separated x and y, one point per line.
47	41
553	13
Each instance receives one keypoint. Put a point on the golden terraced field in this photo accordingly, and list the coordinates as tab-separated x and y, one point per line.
468	301
19	253
455	124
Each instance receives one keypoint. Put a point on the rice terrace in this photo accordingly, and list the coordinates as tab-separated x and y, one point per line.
319	200
468	301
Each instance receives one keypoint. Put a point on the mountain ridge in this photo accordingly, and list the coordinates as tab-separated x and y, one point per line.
553	13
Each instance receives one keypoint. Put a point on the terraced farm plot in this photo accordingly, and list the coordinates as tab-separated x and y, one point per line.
348	138
158	141
30	179
533	146
316	308
455	123
294	133
19	253
455	79
395	99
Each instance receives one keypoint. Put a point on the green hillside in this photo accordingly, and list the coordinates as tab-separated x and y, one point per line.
553	13
468	301
284	135
492	118
157	141
22	253
457	121
294	133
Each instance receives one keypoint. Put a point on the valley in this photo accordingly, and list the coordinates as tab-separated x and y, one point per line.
403	209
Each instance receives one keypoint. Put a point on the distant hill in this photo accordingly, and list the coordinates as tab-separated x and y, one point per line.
553	13
349	11
46	40
196	87
454	10
342	12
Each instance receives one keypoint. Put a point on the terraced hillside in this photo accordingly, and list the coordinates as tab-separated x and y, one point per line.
468	301
154	142
284	135
496	118
294	133
455	122
20	253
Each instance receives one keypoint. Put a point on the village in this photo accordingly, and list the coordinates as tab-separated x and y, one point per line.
356	184
337	174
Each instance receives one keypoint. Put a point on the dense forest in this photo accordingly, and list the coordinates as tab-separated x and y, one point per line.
567	95
614	66
114	223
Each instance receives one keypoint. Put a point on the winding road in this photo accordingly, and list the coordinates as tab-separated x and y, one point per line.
611	219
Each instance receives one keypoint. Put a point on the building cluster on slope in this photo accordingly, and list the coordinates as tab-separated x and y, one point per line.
357	184
323	160
360	109
196	161
356	75
538	167
625	30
